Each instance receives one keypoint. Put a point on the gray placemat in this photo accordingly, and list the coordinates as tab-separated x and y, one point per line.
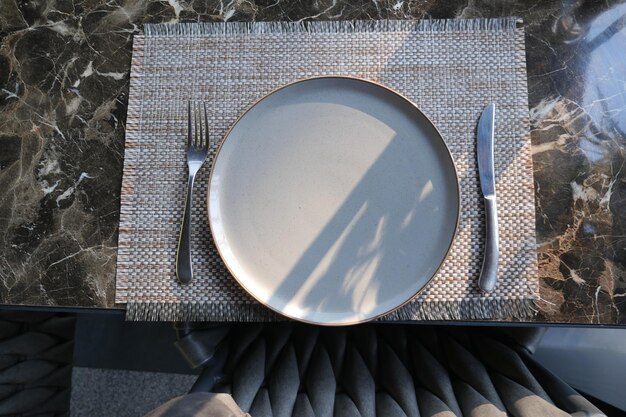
449	68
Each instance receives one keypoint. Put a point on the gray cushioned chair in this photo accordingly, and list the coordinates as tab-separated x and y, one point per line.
284	370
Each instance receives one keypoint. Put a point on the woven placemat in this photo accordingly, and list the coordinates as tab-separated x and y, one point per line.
449	68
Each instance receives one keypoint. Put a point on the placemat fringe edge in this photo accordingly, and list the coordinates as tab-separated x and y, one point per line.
485	309
488	309
198	311
341	26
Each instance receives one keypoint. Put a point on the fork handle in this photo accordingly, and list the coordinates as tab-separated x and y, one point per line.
184	271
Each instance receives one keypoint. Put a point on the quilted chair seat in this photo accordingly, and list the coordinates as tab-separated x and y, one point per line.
285	370
36	353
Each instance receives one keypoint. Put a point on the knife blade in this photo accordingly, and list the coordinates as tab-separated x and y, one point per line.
489	270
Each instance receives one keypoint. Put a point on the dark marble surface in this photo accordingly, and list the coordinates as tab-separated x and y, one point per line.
64	70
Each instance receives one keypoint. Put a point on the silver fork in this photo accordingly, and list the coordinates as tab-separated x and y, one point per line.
198	143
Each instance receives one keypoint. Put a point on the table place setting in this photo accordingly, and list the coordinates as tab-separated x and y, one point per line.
329	172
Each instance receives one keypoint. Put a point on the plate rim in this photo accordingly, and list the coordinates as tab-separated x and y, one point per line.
407	101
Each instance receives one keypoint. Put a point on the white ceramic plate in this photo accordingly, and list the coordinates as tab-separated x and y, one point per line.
333	200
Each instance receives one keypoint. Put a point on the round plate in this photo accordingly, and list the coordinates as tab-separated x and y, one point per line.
333	200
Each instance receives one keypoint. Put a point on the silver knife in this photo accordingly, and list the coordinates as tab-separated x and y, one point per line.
489	271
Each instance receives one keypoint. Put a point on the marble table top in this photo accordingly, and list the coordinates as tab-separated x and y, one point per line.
64	77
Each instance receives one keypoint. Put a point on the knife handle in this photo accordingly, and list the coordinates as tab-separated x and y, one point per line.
489	272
